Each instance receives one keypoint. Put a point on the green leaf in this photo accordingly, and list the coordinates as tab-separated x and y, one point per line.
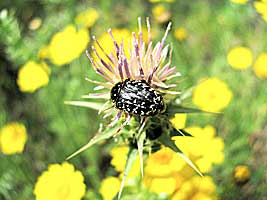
168	142
92	105
131	157
108	133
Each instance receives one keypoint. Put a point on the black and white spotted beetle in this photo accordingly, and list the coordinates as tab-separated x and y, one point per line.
137	97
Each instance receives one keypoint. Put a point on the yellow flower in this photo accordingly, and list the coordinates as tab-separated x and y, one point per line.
43	52
157	1
119	157
260	66
60	182
165	185
68	45
212	95
179	121
198	148
196	188
240	57
239	1
241	173
180	33
35	23
109	188
164	162
13	137
160	13
107	43
32	76
261	7
87	18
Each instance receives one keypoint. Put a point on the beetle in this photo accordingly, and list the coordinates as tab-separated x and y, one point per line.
137	97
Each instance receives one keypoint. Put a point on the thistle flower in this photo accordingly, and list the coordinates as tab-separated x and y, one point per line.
137	94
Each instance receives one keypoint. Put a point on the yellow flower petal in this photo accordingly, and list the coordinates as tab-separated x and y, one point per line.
163	185
109	188
179	120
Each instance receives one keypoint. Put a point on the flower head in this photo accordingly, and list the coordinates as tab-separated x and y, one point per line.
240	57
241	173
67	45
13	137
212	95
260	66
60	182
163	163
32	76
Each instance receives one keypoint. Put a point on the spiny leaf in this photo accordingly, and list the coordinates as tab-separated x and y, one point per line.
179	132
168	142
92	105
179	109
108	133
140	143
131	157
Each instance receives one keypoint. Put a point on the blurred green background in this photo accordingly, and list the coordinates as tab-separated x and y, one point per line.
56	130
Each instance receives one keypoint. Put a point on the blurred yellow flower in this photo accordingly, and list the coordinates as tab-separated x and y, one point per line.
87	18
60	182
109	188
68	45
164	162
107	43
35	23
212	95
260	66
180	33
119	157
165	185
157	1
198	148
239	1
196	188
179	120
160	13
13	137
240	57
43	52
241	173
32	76
261	7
